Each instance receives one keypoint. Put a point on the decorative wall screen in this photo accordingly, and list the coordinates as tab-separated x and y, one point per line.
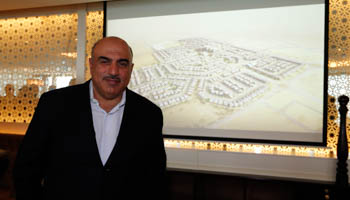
38	53
37	50
94	31
339	72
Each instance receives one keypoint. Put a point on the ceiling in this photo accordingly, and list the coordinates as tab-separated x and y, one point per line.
7	5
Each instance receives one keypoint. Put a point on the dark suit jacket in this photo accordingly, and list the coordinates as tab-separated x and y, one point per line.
59	158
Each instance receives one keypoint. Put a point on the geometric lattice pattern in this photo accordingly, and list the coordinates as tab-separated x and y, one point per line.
36	50
19	108
338	85
339	27
94	32
35	54
333	123
339	65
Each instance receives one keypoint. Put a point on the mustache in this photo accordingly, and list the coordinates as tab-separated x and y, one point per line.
112	77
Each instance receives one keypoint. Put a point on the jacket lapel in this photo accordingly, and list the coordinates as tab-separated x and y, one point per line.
123	143
86	123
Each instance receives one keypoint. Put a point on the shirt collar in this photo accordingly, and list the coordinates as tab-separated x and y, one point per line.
116	108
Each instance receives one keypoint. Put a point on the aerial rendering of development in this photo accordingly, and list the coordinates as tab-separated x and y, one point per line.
203	83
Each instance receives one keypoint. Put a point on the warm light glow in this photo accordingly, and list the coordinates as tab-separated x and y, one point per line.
70	54
333	64
258	149
287	150
338	64
37	82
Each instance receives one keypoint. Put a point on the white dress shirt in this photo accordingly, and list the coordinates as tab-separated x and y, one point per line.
106	125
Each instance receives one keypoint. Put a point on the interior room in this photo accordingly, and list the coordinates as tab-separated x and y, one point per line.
253	93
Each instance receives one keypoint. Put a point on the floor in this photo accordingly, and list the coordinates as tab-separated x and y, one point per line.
5	194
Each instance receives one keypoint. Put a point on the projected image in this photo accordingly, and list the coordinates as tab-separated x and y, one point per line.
250	73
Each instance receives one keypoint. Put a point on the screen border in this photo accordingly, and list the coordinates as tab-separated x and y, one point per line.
323	143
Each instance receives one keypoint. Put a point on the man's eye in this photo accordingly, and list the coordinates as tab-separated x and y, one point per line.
104	61
123	63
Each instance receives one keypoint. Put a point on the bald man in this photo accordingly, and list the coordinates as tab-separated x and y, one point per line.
98	140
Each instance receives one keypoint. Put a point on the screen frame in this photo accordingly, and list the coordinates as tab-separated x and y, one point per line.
323	143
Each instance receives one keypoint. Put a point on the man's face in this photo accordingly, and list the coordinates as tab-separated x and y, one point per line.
110	66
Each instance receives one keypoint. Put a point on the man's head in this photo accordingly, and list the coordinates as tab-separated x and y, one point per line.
110	66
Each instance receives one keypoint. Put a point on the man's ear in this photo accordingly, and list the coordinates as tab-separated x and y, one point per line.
90	63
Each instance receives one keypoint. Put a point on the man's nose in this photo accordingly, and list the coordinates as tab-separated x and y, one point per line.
113	69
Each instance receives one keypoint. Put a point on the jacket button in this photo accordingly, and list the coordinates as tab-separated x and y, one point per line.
108	169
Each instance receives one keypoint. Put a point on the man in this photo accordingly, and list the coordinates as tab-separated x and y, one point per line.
97	140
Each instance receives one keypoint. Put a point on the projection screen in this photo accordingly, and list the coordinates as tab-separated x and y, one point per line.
229	70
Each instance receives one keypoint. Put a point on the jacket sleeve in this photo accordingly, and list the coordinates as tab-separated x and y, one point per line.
29	168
